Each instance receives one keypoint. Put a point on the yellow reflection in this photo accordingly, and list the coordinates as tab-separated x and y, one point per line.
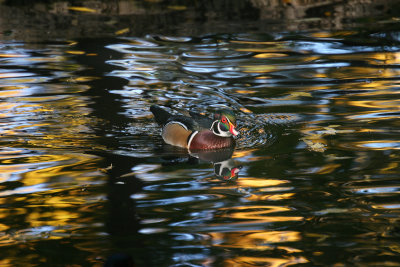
85	79
328	168
75	52
253	42
257	240
243	109
270	55
260	214
12	55
56	218
6	171
391	168
373	58
6	263
82	9
270	197
257	182
177	7
387	206
364	73
3	227
296	95
333	34
15	211
66	165
258	68
243	153
244	261
72	43
260	50
276	236
144	68
122	31
378	104
5	107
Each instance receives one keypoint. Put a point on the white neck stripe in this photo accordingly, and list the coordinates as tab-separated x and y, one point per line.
191	138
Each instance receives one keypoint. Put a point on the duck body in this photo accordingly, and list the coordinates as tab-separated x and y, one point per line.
196	132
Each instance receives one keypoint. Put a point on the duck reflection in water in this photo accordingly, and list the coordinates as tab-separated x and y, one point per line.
225	168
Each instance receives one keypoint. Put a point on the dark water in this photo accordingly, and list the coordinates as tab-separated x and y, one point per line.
84	173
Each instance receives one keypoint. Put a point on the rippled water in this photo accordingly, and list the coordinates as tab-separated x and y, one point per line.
85	173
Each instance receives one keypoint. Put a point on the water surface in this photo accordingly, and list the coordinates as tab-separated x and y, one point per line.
85	173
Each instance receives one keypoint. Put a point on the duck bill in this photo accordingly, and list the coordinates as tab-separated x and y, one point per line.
235	171
232	129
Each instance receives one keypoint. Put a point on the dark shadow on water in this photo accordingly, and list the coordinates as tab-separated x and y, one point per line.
122	220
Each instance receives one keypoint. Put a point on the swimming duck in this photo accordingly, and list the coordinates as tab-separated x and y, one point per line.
197	132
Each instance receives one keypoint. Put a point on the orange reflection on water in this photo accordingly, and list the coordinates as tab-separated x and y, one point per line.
72	166
10	92
51	188
381	58
256	240
257	182
270	55
272	197
276	237
253	42
378	104
259	68
243	153
259	241
326	34
264	261
364	73
260	214
54	218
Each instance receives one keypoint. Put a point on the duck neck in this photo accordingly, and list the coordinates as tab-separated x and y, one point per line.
217	130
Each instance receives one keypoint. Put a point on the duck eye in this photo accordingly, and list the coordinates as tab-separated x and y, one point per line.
224	120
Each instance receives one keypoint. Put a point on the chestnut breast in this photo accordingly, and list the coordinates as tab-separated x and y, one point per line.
206	139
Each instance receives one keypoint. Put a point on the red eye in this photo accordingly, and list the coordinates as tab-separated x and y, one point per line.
224	120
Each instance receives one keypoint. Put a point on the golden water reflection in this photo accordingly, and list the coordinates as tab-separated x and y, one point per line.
260	241
45	131
51	191
257	214
265	261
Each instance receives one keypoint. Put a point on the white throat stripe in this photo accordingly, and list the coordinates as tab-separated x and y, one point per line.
191	138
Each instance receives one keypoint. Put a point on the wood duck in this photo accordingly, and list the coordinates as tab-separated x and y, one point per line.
197	132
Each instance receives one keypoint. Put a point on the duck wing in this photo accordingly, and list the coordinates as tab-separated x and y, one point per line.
162	117
203	122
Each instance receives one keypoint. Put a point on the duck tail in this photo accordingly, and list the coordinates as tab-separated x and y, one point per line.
161	116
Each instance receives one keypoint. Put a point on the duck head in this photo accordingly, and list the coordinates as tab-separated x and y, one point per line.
224	123
227	170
